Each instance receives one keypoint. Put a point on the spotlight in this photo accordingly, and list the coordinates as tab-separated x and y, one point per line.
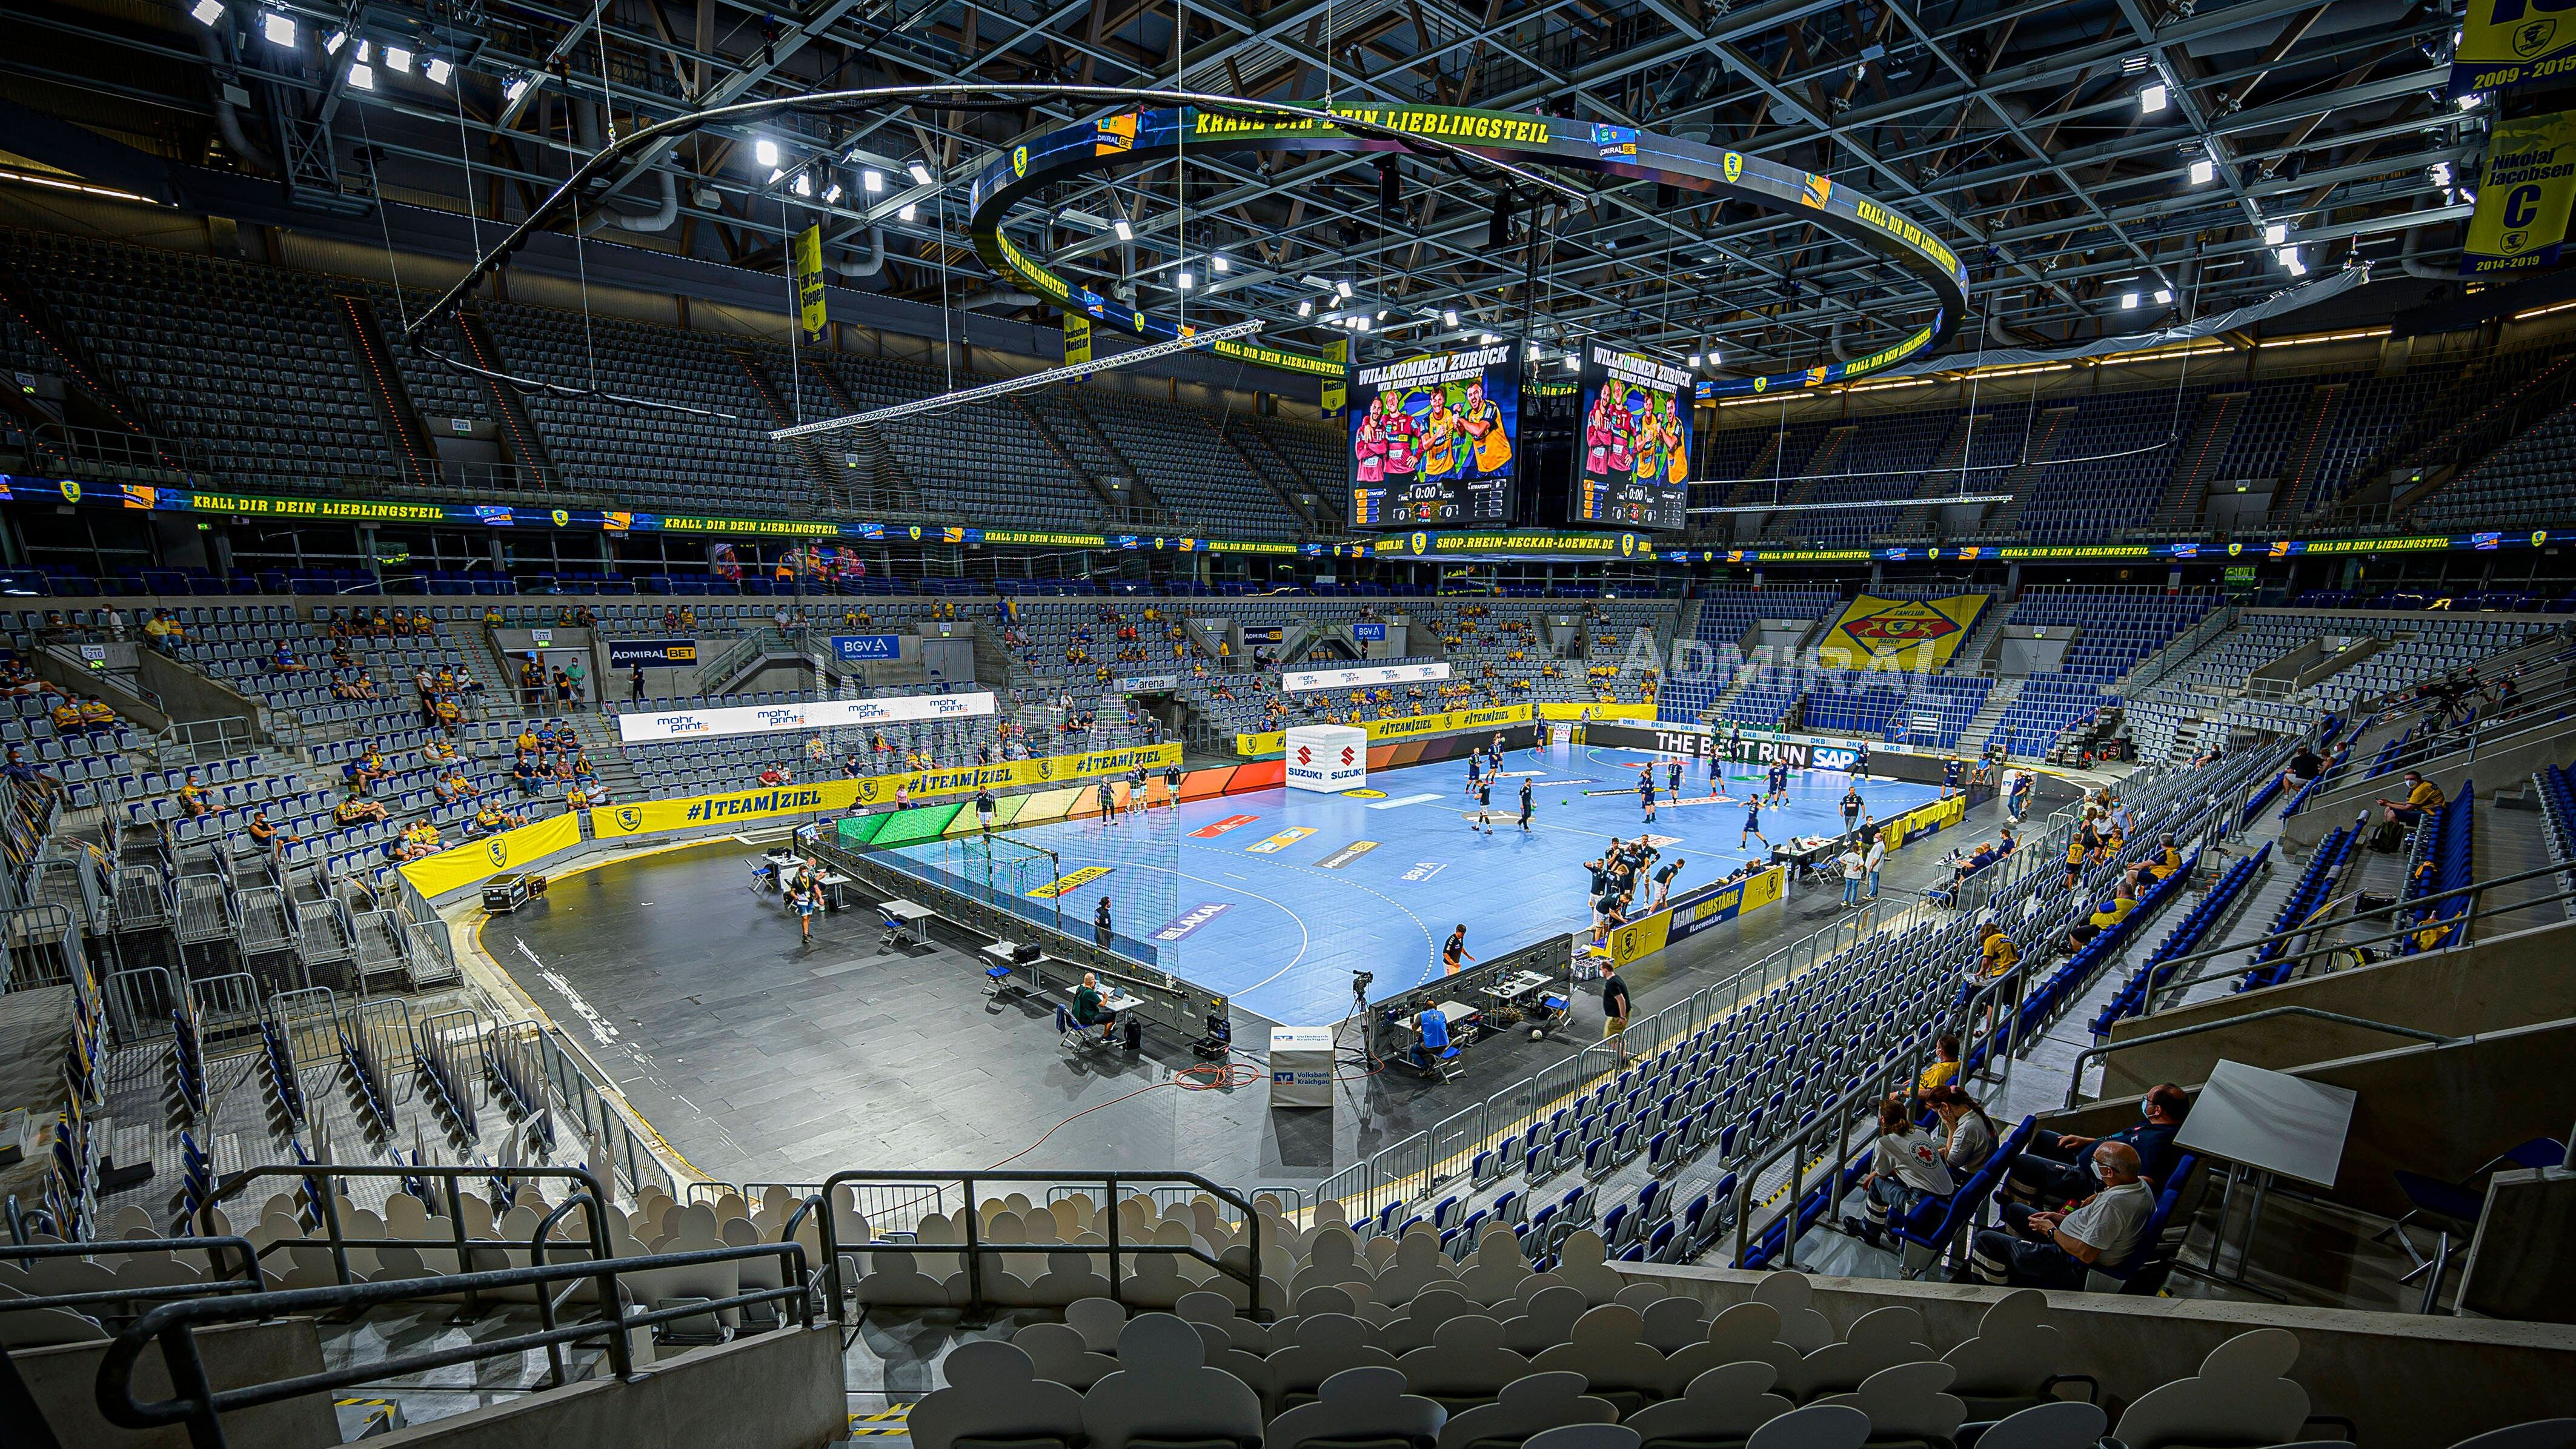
1450	317
207	12
907	212
2471	101
2203	171
2152	99
276	29
803	185
515	89
2275	234
774	174
1573	363
1125	232
364	50
832	194
1344	288
765	151
397	58
1186	281
2128	301
1306	309
1489	338
920	174
1360	324
1695	359
2164	296
872	182
362	77
435	70
1218	264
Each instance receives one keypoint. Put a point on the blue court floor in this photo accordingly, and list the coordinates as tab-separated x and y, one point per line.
1274	898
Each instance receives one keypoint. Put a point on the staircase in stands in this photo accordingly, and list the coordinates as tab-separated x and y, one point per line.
2213	425
2316	418
867	478
1981	725
2044	436
806	453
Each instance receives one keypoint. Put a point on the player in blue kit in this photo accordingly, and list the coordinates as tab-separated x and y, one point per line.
1752	824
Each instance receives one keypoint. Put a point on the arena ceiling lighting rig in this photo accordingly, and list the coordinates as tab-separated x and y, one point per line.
1188	342
1504	143
1499	138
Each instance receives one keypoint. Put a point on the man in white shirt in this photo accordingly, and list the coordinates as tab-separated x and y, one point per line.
1855	866
2057	1249
1877	857
1905	1170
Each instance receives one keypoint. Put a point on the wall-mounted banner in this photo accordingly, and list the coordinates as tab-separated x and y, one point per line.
1878	633
477	860
2521	220
2507	43
1146	683
1368	631
820	714
1077	339
862	648
1336	395
652	653
1405	728
1298	681
1796	751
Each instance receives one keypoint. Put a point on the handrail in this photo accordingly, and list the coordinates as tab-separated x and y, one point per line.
252	1279
2401	933
329	1206
974	1251
199	1405
2284	937
2075	1079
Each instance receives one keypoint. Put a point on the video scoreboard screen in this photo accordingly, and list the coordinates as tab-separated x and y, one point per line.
1432	439
1632	448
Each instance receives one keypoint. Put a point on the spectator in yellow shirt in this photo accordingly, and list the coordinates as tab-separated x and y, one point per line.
2423	797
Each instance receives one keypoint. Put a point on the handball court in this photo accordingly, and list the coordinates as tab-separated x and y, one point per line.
762	1058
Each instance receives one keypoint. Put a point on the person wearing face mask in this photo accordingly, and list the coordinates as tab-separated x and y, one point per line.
2059	1249
2059	1168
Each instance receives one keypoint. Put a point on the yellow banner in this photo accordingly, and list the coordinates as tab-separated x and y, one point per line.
809	282
1923	820
1066	884
1077	339
1876	633
645	817
1405	727
1337	390
2521	219
1577	710
510	850
1645	937
2505	43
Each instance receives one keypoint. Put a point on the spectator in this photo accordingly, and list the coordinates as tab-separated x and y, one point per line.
1943	1070
2165	860
1877	857
2423	797
2305	765
192	798
2044	1249
2052	1168
635	683
525	772
357	809
19	770
1968	1135
491	819
774	775
1906	1170
1855	869
576	674
2110	913
1614	1005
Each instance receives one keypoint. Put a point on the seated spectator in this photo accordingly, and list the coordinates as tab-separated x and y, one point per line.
2053	1167
773	775
2423	797
491	819
95	716
66	717
285	662
192	798
1943	1070
1968	1135
2055	1249
526	743
2108	914
2305	765
368	770
19	770
266	835
357	809
1090	1008
2163	862
525	773
1906	1170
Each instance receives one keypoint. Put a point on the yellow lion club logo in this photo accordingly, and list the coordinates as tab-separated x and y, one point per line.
2234	549
867	792
1734	166
1819	190
1046	769
916	533
1761	384
71	491
499	850
2539	537
2533	38
1627	545
1019	160
629	818
561	517
1420	542
138	496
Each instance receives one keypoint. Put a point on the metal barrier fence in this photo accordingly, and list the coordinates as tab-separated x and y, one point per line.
579	1089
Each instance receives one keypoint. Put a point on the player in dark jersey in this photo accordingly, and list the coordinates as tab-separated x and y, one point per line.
1752	824
1525	807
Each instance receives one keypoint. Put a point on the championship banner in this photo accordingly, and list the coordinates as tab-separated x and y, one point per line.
1876	633
1404	728
2508	43
517	849
819	714
2521	218
1298	681
611	822
1336	394
1696	911
651	653
1633	458
1077	339
809	282
1431	439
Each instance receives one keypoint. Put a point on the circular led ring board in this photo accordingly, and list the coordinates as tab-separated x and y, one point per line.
1137	137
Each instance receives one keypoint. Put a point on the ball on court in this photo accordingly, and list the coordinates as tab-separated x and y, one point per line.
1537	1032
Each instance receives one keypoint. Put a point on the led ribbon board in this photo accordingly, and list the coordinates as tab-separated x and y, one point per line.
1144	137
